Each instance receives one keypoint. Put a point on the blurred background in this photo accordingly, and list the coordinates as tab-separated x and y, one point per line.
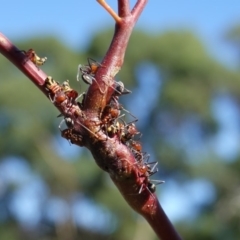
182	65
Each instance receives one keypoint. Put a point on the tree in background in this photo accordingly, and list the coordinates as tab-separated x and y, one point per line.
179	128
233	36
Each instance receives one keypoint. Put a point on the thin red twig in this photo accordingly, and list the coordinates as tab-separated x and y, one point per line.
123	8
19	59
137	9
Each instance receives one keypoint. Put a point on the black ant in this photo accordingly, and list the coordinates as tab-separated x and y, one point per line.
150	186
88	72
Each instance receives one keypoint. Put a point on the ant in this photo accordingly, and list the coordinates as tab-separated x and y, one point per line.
146	171
69	122
31	55
129	131
88	72
72	136
114	104
109	119
150	186
109	116
120	89
60	93
136	146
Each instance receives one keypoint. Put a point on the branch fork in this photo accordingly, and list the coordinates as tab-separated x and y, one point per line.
85	127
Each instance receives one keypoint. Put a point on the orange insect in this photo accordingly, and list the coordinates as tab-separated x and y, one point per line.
51	85
136	146
129	132
109	114
136	149
73	136
109	117
56	94
31	54
146	171
70	93
88	71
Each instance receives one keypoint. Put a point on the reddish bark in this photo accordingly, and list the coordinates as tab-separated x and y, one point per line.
110	153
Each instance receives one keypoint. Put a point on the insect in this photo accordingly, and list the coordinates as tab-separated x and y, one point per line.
69	122
120	89
136	149
31	54
60	93
51	85
114	129
129	131
109	114
73	136
109	117
56	94
136	146
142	158
70	93
114	104
150	185
148	169
87	73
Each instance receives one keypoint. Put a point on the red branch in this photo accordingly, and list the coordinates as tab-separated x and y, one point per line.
124	9
110	153
19	59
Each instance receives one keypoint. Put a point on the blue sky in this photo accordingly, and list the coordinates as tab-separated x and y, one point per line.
74	22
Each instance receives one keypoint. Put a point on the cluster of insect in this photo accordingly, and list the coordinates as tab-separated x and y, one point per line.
112	121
